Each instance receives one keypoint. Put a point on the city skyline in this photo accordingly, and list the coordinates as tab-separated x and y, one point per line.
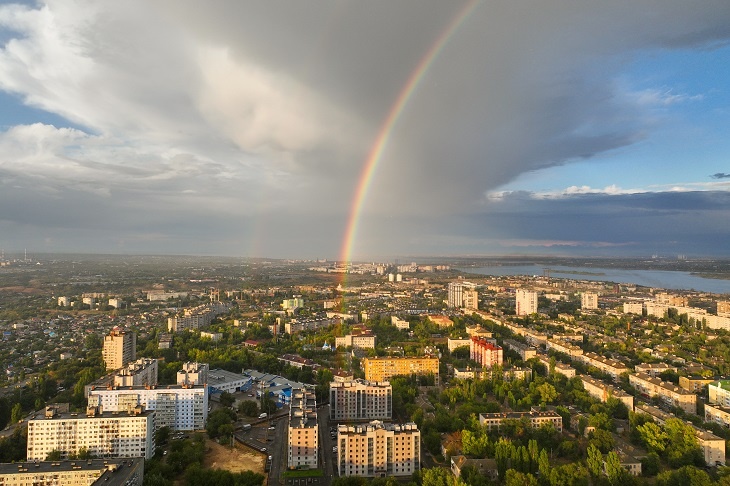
345	130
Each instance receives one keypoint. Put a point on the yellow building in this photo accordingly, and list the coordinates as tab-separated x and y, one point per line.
382	369
378	450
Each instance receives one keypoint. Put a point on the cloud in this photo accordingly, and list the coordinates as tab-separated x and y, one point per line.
720	175
252	120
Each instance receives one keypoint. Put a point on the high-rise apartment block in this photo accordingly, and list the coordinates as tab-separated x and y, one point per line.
303	438
525	302
589	300
361	400
485	353
101	434
377	449
179	407
140	372
120	348
463	294
384	368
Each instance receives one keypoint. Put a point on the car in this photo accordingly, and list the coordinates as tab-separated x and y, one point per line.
269	458
334	449
272	428
263	449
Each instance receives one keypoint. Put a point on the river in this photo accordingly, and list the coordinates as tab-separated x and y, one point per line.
649	278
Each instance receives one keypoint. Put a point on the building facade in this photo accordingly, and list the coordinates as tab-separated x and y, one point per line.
589	300
493	421
670	394
120	348
361	400
303	437
101	434
73	473
525	302
378	450
140	372
180	407
485	353
384	368
193	373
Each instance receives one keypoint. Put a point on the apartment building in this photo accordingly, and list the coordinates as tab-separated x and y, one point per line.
457	343
92	472
634	308
669	393
609	366
485	353
526	352
193	318
493	421
378	450
560	368
356	340
361	400
193	373
719	393
563	347
400	324
654	369
107	434
120	348
525	302
180	407
694	384
441	321
718	414
384	368
296	326
603	391
303	436
462	294
588	300
140	372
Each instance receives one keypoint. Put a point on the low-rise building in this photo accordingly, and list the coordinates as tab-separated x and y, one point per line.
457	343
493	421
384	368
560	368
669	393
563	347
526	352
694	384
603	391
606	365
378	450
484	467
654	369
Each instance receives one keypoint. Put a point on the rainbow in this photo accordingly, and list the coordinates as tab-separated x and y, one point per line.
381	141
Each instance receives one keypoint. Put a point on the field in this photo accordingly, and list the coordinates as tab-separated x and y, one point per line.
238	459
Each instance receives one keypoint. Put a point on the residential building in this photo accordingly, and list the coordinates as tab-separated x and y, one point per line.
723	308
525	302
180	407
140	372
526	352
718	414
291	304
378	450
493	421
563	347
193	318
120	348
115	302
485	353
401	324
654	369
89	472
471	299
107	434
359	340
64	301
634	308
441	321
462	294
588	300
361	400
478	331
484	467
719	393
384	368
560	368
303	438
609	366
694	384
193	373
603	391
669	393
457	343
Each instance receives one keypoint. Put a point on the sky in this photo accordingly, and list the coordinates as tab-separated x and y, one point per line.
365	130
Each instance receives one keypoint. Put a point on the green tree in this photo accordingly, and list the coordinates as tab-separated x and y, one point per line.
16	413
227	399
616	473
543	465
684	476
437	476
54	455
650	464
653	437
594	461
249	408
516	478
683	449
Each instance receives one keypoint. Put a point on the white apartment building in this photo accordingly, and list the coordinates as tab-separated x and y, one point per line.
64	301
669	393
291	304
303	439
120	348
563	347
719	393
140	372
457	343
399	323
193	373
116	302
525	302
101	434
365	340
180	407
194	318
633	308
378	450
361	400
588	300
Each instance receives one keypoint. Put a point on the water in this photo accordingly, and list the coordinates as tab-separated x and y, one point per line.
649	278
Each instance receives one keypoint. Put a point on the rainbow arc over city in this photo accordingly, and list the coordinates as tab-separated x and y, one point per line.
375	153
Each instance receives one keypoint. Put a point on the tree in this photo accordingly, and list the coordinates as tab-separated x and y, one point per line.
684	476
543	465
650	464
683	449
54	455
602	439
594	461
227	399
249	408
653	437
616	473
16	414
516	478
437	476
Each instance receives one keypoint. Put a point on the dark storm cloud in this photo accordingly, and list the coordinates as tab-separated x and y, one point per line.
720	175
251	121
